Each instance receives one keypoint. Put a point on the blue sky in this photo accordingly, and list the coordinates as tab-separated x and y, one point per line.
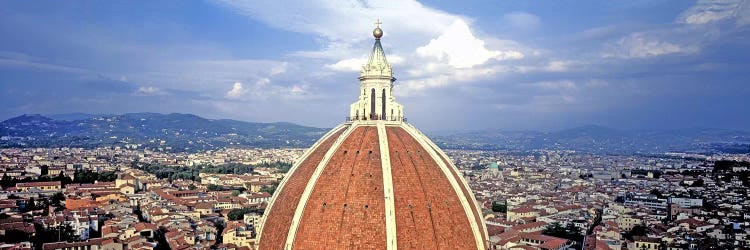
516	65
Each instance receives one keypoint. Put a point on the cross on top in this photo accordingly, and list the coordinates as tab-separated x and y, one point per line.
378	23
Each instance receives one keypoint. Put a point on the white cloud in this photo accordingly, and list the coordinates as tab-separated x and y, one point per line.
263	89
418	85
236	92
558	66
420	40
640	45
149	91
344	21
706	11
348	65
458	46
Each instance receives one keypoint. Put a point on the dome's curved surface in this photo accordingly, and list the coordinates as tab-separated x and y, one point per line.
371	184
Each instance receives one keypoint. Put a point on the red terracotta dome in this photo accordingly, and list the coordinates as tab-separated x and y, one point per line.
374	182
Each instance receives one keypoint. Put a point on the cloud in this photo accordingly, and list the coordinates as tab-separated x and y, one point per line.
344	22
640	45
458	46
149	91
348	65
236	92
419	85
263	89
559	66
420	40
706	11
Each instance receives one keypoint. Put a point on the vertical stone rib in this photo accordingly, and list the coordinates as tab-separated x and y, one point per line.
311	183
390	208
421	139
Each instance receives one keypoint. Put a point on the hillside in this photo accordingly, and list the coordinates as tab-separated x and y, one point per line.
174	132
597	139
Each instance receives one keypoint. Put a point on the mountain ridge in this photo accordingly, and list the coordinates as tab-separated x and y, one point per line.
600	139
173	131
189	132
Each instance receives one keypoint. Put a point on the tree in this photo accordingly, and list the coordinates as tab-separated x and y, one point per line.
236	193
569	231
637	230
554	229
6	181
620	199
697	183
56	201
214	187
64	232
30	205
269	188
499	207
657	193
239	213
107	176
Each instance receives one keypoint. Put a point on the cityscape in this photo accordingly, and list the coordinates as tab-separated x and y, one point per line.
244	125
118	198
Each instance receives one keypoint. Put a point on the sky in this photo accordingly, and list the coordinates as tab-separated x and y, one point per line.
460	65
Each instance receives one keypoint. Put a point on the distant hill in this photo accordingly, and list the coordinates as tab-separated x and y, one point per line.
74	116
186	132
172	132
598	139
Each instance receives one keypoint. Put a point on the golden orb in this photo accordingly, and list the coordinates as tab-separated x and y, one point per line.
377	33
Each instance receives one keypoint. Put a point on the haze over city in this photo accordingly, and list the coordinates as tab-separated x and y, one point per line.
537	65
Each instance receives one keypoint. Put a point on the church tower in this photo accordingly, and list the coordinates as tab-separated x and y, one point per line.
376	101
373	182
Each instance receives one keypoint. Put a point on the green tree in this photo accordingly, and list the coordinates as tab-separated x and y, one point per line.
269	188
239	213
569	231
108	176
43	235
499	207
214	187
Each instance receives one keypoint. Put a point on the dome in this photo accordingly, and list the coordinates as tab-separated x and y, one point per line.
365	180
373	182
